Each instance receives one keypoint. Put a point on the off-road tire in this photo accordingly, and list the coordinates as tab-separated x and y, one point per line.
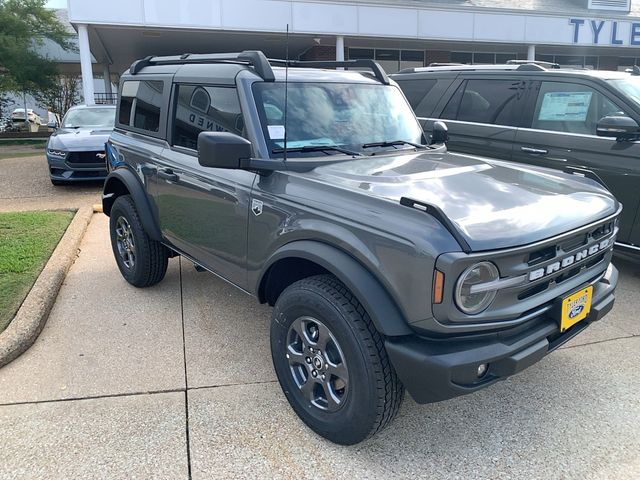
151	257
374	391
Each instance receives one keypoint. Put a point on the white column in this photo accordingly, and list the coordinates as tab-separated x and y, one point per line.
85	64
340	48
531	52
106	73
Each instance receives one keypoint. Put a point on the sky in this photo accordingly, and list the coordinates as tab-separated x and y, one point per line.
56	3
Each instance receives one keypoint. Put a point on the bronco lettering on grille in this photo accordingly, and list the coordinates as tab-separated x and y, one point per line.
570	260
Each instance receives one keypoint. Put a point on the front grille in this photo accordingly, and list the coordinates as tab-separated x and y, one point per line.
84	158
548	270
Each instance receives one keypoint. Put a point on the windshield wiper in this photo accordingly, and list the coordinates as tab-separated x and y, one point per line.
317	148
392	143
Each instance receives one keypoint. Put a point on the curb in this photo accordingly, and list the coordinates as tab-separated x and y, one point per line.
25	327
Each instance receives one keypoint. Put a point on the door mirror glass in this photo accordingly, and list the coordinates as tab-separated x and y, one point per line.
440	133
222	149
618	126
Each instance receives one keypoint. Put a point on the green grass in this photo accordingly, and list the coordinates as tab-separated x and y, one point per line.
27	240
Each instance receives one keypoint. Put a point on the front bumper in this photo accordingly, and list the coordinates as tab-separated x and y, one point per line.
60	170
438	369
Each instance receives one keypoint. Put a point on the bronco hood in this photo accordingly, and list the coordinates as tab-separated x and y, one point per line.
79	139
494	204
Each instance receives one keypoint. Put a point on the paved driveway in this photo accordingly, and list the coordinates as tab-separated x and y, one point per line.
173	382
25	185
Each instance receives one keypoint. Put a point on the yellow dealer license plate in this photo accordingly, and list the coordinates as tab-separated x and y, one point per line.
575	308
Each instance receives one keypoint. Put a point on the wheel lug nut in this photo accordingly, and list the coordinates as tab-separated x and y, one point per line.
324	377
311	349
308	360
314	373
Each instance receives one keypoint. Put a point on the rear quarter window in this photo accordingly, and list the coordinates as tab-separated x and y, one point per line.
141	104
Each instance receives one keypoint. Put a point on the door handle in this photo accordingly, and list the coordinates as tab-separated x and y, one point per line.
167	174
534	151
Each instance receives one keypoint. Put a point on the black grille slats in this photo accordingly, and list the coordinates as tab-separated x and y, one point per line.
85	158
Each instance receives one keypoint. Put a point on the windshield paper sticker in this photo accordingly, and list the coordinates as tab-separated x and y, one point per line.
565	106
276	132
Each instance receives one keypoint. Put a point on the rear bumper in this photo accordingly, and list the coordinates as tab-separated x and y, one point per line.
435	370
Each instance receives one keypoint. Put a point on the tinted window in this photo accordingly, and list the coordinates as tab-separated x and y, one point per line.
571	108
198	108
140	104
450	112
416	91
489	101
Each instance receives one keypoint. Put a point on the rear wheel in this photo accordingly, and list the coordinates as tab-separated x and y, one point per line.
331	362
141	260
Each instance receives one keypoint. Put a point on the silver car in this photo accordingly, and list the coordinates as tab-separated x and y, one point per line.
75	151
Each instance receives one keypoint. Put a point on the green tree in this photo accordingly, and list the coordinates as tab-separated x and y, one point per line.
24	24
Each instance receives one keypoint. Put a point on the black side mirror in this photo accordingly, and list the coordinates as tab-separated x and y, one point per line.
53	125
619	126
440	133
222	149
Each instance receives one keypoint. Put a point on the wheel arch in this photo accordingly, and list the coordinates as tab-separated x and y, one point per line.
123	182
304	258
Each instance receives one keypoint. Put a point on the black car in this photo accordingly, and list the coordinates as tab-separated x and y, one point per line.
75	151
582	121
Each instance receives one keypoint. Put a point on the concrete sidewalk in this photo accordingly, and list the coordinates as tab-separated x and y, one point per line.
172	382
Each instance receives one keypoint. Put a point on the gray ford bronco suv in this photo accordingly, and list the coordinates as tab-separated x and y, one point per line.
391	264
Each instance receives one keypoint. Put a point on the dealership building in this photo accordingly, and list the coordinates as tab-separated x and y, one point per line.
602	34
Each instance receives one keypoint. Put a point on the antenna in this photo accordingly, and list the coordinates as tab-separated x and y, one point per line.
286	91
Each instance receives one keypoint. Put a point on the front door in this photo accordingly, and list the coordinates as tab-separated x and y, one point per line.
563	133
204	211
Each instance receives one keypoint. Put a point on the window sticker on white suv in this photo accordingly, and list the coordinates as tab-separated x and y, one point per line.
565	106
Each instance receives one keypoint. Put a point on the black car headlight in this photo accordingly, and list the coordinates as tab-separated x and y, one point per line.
475	300
56	152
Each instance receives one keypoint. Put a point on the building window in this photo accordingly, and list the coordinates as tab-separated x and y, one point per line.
480	58
390	59
571	61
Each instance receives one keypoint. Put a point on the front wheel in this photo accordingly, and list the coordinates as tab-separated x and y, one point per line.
331	362
141	260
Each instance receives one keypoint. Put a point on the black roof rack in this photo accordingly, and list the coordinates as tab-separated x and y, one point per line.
377	70
255	58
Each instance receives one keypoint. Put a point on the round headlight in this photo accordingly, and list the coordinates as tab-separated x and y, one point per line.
474	303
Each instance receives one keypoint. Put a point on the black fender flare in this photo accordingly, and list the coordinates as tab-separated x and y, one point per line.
375	299
112	189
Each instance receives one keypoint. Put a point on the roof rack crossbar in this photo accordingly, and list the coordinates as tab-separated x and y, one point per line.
377	70
254	58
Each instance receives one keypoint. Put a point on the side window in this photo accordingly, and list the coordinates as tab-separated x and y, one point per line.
200	108
416	91
571	108
489	101
450	112
140	104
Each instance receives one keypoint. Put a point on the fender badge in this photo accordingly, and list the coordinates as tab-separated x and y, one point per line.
256	207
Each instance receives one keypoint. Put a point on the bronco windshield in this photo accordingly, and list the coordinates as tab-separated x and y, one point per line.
344	115
89	117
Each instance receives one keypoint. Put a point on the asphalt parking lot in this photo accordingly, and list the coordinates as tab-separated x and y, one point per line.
25	185
176	381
